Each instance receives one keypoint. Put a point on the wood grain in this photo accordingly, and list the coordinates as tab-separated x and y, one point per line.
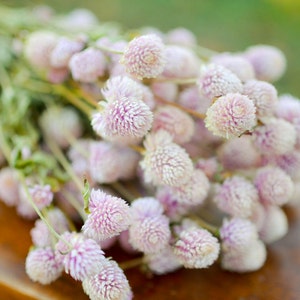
279	279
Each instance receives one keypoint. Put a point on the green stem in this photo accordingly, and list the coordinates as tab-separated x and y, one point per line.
211	228
133	263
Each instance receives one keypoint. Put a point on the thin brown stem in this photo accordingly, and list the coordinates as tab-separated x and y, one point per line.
133	263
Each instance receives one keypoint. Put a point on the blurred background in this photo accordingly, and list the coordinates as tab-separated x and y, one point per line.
218	24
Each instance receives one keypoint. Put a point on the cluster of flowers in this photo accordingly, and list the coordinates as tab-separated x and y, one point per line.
202	137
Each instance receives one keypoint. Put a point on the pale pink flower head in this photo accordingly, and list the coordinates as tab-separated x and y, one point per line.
274	186
165	90
173	120
43	266
181	36
209	166
164	162
110	283
24	207
146	207
236	196
9	183
41	195
288	108
196	248
87	65
216	80
83	256
108	216
57	75
268	61
290	163
276	137
231	116
144	57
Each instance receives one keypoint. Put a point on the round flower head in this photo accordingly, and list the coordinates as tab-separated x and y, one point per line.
165	90
275	225
41	195
150	234
181	36
57	75
236	197
9	191
65	118
146	207
83	259
237	235
43	266
275	137
290	163
38	48
164	162
269	62
144	57
237	64
87	65
274	186
124	118
216	81
108	216
264	96
109	284
162	262
239	153
246	261
231	116
181	63
173	120
24	207
288	108
63	51
196	248
209	166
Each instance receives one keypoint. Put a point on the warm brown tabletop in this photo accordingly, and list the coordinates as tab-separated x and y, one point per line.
279	279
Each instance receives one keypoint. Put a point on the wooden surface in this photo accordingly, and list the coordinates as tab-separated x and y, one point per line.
279	279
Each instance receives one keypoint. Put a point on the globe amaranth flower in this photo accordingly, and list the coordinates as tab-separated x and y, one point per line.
165	90
288	108
275	137
144	57
81	257
268	61
43	266
209	166
109	284
181	36
231	116
108	216
290	163
173	120
264	96
236	196
9	186
196	248
146	207
164	162
274	185
41	195
87	65
216	81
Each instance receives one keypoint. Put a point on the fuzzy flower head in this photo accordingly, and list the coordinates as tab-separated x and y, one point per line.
216	81
9	186
181	36
165	90
236	197
144	57
274	186
108	216
43	266
275	137
110	283
288	108
196	248
41	195
146	207
231	116
269	62
164	162
83	259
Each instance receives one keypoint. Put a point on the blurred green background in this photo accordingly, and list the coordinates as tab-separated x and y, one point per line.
219	24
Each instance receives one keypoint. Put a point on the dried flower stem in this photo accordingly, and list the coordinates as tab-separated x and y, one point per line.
122	191
211	228
133	263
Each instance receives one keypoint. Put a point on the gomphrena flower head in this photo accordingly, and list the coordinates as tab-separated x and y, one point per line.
268	61
87	65
43	266
290	163
173	120
237	64
231	116
181	36
196	248
124	118
150	234
108	216
164	162
288	108
236	196
9	183
264	96
165	90
144	57
209	166
216	80
146	207
81	257
66	118
274	185
41	195
275	225
24	207
110	283
237	235
275	137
